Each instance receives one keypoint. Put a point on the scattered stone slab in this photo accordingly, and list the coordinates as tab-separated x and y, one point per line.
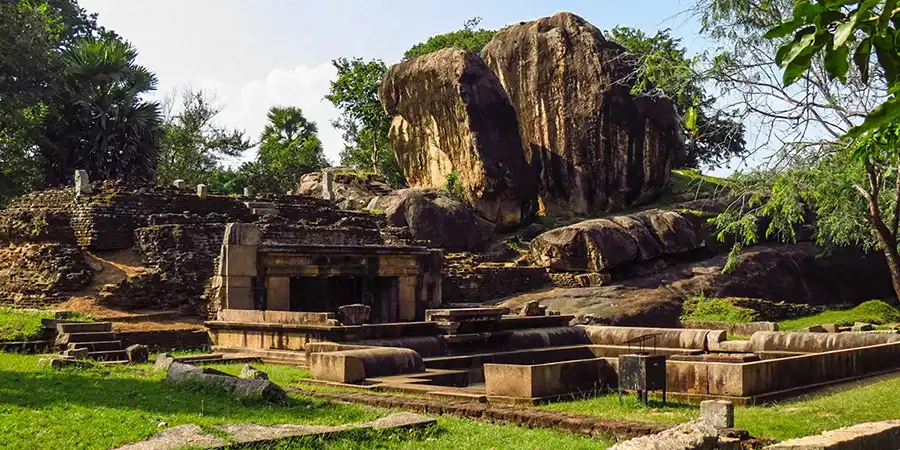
831	328
870	435
137	353
163	361
252	434
718	413
533	308
256	389
177	437
252	373
687	436
60	363
77	353
862	326
814	329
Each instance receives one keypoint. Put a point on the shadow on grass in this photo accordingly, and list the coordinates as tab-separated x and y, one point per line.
94	389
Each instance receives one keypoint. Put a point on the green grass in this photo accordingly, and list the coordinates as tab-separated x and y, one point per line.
21	325
872	402
873	311
692	181
107	406
716	310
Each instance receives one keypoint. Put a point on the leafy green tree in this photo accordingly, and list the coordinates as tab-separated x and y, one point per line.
665	70
192	146
100	121
468	38
289	147
363	121
854	184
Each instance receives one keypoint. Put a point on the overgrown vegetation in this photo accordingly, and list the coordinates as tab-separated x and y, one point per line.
23	325
875	312
455	188
717	310
692	181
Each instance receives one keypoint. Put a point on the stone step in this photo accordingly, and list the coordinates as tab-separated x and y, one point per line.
83	327
67	338
97	346
109	355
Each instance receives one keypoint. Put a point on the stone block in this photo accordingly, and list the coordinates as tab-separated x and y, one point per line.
180	184
247	388
163	361
248	192
61	363
356	314
242	234
278	293
202	190
240	261
241	315
351	366
252	373
814	329
533	308
545	380
137	353
82	183
298	317
862	326
831	328
77	353
718	413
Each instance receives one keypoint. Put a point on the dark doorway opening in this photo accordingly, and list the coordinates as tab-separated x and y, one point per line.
327	294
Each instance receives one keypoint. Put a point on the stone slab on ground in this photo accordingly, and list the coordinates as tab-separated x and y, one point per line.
687	436
248	388
253	434
870	435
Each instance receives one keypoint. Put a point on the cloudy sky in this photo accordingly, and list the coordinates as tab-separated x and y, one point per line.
254	54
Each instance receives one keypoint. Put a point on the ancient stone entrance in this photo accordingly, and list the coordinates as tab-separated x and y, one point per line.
327	294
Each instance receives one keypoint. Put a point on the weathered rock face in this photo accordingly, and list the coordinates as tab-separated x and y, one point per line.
451	114
595	146
433	215
349	190
603	244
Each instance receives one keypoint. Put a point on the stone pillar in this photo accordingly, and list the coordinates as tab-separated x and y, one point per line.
237	264
180	184
718	413
248	192
202	190
327	185
82	183
278	293
406	298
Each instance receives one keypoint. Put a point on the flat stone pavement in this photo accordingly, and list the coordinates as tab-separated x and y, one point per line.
528	417
252	434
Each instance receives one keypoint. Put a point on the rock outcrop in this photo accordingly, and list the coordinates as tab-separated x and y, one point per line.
350	190
433	215
450	114
595	145
603	244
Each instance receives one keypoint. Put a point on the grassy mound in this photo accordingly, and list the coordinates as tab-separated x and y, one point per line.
716	310
875	312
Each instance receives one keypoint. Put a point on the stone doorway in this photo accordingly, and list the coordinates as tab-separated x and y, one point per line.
327	294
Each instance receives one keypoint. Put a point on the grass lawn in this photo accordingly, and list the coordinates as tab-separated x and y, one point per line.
873	311
107	406
865	402
19	325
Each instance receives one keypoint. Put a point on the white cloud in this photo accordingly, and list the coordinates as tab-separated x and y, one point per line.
245	106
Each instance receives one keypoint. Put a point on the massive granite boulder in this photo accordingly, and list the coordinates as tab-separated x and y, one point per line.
433	215
349	189
595	145
450	114
603	244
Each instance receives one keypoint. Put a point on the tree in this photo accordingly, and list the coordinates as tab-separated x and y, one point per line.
192	146
663	69
363	120
289	147
100	122
853	184
468	38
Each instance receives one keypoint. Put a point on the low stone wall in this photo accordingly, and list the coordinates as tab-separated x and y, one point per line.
481	284
281	317
163	340
665	337
872	435
732	329
350	366
546	380
817	342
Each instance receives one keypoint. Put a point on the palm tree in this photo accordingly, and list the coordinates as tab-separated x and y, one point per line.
289	147
101	122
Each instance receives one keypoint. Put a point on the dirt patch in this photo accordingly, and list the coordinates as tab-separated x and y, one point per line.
111	268
187	323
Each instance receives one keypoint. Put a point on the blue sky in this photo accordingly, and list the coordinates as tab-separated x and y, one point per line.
258	53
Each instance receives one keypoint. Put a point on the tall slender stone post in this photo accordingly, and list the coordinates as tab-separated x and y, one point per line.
82	183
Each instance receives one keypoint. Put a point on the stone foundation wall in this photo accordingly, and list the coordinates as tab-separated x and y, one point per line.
480	284
166	339
38	275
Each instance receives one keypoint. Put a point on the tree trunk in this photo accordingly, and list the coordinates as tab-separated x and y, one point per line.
886	237
375	155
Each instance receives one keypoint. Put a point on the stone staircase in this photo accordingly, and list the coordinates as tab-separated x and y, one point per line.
94	340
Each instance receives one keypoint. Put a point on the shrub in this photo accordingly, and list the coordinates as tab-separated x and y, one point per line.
454	187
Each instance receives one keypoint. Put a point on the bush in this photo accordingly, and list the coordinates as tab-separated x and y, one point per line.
717	310
455	188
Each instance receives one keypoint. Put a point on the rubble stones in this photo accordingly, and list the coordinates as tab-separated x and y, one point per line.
137	353
252	373
687	436
356	314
